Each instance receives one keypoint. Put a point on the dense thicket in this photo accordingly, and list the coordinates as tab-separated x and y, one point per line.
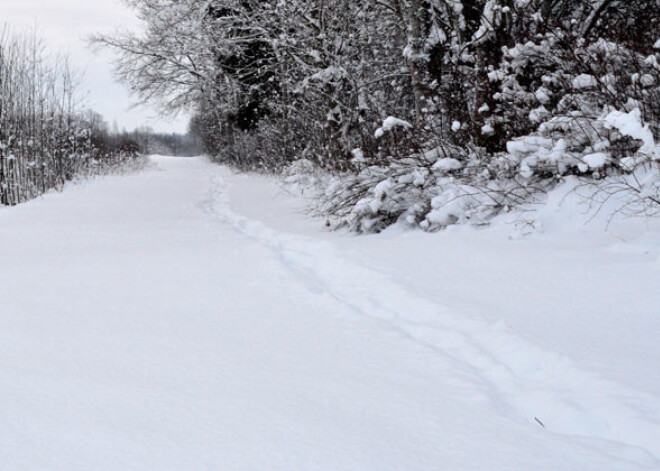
46	138
150	142
418	103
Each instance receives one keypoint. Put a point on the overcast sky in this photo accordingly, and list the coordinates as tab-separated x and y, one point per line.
66	25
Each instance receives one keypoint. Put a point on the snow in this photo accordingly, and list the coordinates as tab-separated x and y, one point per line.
528	144
596	160
447	164
538	114
496	76
630	124
647	80
191	318
329	74
542	94
584	81
487	130
358	156
391	123
436	36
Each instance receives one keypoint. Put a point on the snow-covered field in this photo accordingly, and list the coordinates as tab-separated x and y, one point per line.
188	318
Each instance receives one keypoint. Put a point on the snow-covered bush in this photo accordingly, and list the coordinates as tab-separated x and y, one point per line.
450	185
304	177
444	186
560	89
636	184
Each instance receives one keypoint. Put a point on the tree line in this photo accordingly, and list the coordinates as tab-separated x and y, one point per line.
46	136
435	97
143	139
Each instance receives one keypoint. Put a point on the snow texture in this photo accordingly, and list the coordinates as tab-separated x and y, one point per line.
191	318
447	164
391	123
629	124
596	160
584	81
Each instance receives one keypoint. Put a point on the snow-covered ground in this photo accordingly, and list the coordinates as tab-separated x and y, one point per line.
189	318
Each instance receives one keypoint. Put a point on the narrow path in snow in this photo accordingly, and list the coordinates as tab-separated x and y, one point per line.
145	325
538	385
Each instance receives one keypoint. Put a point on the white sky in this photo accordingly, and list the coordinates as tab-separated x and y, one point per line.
66	25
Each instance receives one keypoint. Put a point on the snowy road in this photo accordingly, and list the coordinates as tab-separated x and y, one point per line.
170	320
